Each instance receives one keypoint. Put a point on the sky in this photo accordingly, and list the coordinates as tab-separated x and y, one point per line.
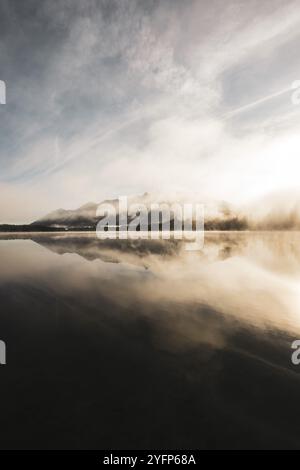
110	98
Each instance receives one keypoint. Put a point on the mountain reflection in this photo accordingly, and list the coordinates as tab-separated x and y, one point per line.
106	334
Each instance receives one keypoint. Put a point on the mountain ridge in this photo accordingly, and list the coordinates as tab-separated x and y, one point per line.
276	212
221	216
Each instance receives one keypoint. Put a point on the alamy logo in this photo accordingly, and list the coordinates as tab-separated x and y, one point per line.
295	98
179	221
2	352
296	354
2	92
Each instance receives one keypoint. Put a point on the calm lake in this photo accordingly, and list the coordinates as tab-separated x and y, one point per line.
140	344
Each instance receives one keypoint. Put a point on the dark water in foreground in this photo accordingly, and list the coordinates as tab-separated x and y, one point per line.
143	345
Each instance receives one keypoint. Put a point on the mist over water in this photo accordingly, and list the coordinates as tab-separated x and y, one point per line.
142	344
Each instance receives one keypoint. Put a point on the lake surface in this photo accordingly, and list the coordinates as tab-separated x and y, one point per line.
139	344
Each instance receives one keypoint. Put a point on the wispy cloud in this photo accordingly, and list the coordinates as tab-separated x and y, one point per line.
111	97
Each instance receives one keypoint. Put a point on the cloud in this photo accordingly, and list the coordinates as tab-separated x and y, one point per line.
107	98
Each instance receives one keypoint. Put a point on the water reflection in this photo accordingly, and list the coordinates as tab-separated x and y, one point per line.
139	343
